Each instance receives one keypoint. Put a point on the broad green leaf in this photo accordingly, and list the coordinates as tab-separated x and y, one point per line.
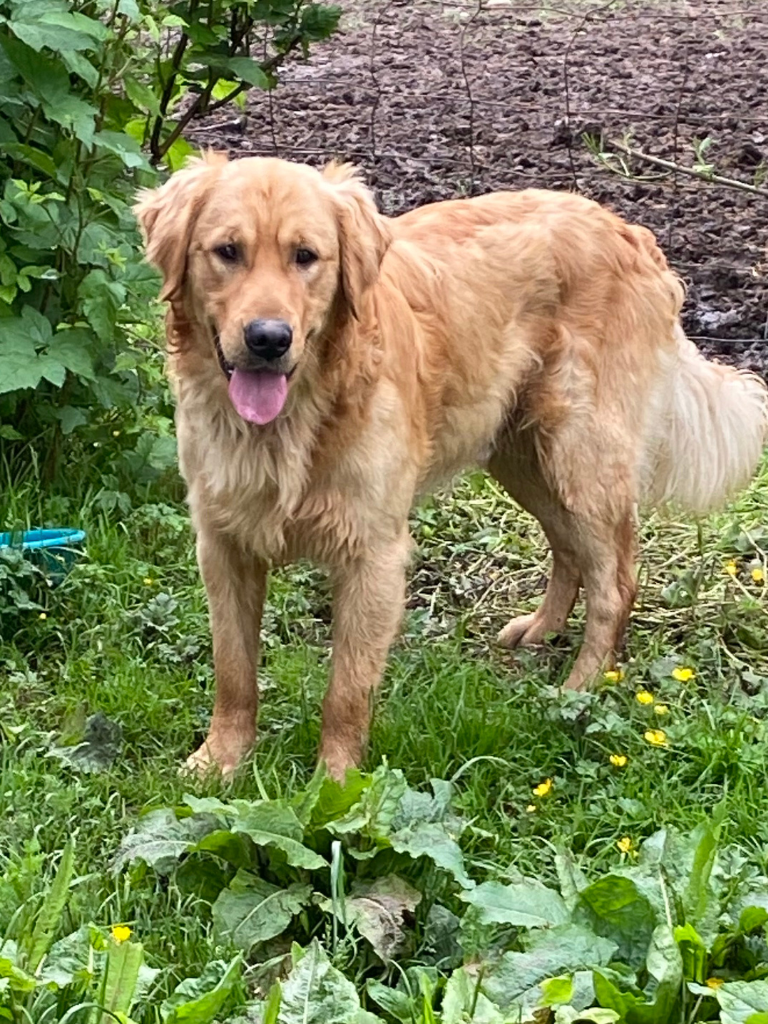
124	962
201	1000
17	979
316	993
395	1001
49	915
72	349
704	850
592	1015
752	918
431	839
611	997
319	21
379	803
19	363
614	907
246	69
555	991
465	1003
571	878
253	910
665	970
563	949
741	1001
272	825
528	904
142	96
161	839
123	146
693	953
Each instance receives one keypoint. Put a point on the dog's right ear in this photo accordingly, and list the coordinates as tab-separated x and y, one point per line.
167	216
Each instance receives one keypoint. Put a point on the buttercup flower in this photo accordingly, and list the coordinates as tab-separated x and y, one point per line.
613	675
148	581
618	760
715	982
543	789
656	737
758	575
644	697
121	933
625	844
661	709
731	568
683	675
42	616
530	809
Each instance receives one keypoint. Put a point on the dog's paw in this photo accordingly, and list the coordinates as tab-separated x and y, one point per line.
212	759
524	631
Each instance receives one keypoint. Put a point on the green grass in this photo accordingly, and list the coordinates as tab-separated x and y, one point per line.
126	634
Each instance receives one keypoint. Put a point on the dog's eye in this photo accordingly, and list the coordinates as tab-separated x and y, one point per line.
305	257
228	252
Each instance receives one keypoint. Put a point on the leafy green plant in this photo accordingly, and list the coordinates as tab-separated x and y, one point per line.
676	934
84	85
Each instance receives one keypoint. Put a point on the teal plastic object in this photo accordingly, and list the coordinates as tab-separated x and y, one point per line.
55	551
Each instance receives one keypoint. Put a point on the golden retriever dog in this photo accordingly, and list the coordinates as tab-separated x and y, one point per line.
331	364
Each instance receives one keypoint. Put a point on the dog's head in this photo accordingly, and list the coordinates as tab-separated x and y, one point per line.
264	253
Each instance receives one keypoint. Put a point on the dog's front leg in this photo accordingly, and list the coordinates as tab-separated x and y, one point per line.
369	595
236	583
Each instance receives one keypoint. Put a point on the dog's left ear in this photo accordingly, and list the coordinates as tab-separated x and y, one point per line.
364	234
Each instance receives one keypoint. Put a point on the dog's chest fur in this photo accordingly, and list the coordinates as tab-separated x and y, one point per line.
266	489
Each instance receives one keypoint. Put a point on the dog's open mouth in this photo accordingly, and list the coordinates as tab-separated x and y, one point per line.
257	395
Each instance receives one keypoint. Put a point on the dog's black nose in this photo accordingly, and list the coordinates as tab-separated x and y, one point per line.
268	339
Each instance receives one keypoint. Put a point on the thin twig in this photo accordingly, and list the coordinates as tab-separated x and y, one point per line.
375	79
567	84
669	165
470	97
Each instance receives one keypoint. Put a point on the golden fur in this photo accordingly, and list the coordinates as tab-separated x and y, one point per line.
533	333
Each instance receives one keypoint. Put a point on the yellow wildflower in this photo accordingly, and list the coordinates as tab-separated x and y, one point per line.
530	809
715	982
613	675
731	568
644	697
656	737
148	581
42	616
661	709
758	575
618	760
543	789
116	433
625	844
683	675
121	933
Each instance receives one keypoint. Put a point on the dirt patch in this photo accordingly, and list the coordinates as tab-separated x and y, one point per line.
438	99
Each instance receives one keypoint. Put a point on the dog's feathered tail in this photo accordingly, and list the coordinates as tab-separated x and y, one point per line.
706	430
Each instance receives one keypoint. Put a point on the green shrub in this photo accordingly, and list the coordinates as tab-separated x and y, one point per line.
87	88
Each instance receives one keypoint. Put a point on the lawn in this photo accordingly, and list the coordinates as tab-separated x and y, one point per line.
125	636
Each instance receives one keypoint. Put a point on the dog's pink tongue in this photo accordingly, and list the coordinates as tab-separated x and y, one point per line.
257	394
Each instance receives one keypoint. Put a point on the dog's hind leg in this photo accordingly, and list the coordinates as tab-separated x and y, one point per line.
606	553
236	584
593	544
521	477
369	597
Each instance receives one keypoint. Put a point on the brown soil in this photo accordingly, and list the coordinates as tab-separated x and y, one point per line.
437	99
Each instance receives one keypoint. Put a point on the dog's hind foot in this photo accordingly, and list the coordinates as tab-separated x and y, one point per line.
526	631
218	757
